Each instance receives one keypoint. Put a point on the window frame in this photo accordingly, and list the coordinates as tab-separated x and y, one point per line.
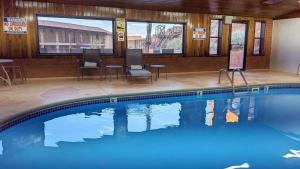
166	22
219	37
74	17
261	39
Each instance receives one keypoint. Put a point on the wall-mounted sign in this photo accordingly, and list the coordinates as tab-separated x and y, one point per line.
199	34
120	22
14	25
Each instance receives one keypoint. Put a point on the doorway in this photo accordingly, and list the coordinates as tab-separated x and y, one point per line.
238	45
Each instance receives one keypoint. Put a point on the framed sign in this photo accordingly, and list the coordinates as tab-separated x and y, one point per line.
14	25
120	22
199	34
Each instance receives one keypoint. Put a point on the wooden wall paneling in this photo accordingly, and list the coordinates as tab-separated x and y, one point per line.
252	8
192	46
2	43
205	43
25	46
225	40
250	41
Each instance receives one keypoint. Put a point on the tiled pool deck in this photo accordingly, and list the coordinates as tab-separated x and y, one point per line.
39	92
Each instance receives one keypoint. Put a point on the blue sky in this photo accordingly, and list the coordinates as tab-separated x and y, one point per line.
104	24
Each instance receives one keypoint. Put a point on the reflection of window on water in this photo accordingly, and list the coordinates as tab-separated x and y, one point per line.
165	115
150	117
233	110
251	109
210	112
77	127
137	117
1	148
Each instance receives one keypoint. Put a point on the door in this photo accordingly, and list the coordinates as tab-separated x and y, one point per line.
238	45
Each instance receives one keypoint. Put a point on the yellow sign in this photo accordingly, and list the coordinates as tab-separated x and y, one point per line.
120	25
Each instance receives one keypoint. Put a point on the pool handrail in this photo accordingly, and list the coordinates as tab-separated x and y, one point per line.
231	80
243	77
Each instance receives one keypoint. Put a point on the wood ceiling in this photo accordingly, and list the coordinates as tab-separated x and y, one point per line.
270	9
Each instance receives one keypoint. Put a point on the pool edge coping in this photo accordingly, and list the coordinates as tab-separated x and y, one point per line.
42	110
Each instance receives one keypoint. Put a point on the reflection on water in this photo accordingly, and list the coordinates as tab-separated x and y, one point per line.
164	115
210	112
77	127
158	133
138	115
251	109
293	154
1	148
245	165
142	117
233	111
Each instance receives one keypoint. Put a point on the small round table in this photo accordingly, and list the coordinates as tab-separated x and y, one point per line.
110	69
158	67
6	77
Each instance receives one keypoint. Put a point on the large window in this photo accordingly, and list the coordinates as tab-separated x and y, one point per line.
259	38
155	38
58	35
215	41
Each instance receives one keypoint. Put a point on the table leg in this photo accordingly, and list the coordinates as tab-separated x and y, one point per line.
156	74
117	74
158	71
7	79
110	78
166	73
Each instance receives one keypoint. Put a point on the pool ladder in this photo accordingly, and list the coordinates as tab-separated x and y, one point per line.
231	79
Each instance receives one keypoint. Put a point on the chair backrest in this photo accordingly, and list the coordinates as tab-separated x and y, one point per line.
134	57
106	51
76	51
156	51
91	55
167	51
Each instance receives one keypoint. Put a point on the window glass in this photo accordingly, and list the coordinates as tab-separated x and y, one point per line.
213	46
155	38
257	29
256	46
259	35
214	28
215	37
59	35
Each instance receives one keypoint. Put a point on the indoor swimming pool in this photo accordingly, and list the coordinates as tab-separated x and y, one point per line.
209	131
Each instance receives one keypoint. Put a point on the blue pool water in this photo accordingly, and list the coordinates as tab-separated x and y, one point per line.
208	132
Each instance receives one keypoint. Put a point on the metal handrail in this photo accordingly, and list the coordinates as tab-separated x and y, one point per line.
243	77
227	75
298	70
231	80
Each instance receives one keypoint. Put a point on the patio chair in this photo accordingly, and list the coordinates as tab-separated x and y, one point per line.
90	60
135	67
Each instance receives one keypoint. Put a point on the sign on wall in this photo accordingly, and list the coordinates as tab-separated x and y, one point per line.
14	25
199	34
121	28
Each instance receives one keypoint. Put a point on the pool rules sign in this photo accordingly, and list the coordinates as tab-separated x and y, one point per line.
121	29
14	25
